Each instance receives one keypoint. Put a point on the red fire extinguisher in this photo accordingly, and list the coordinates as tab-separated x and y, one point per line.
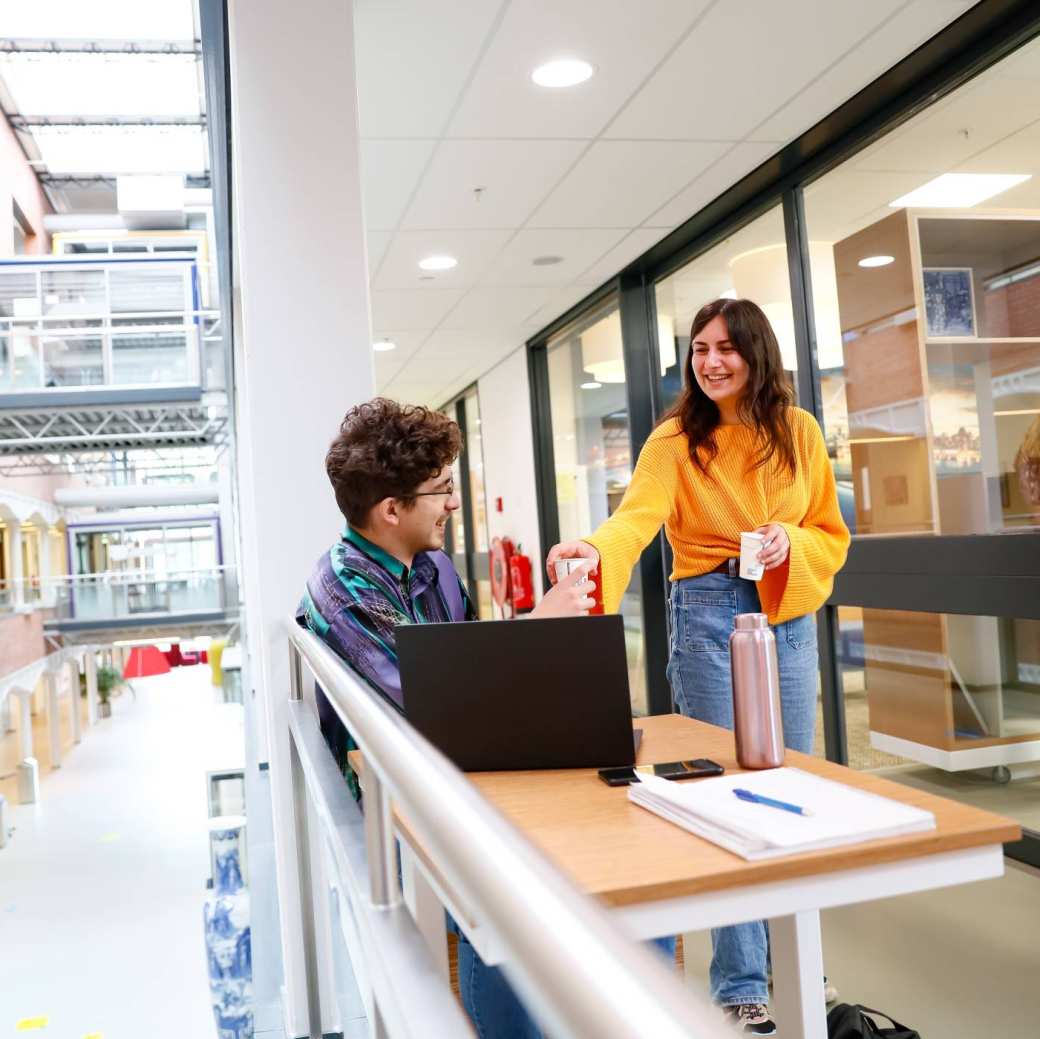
521	583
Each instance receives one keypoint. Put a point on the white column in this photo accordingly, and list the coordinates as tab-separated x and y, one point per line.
14	535
72	670
90	662
46	567
28	771
50	679
302	353
25	730
7	715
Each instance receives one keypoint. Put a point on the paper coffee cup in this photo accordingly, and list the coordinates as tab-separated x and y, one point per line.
563	567
750	545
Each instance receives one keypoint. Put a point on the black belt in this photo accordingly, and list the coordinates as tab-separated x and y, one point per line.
728	566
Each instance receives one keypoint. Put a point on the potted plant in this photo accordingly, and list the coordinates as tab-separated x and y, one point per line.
108	679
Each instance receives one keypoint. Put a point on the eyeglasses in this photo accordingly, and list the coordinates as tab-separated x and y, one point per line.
449	491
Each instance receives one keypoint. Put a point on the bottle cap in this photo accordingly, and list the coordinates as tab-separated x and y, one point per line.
748	621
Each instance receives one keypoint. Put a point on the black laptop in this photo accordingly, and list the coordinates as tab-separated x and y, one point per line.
520	694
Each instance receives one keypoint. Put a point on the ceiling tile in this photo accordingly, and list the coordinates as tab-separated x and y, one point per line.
622	40
722	174
495	308
514	175
390	170
474	250
413	58
887	45
634	244
578	249
377	241
698	94
412	308
620	183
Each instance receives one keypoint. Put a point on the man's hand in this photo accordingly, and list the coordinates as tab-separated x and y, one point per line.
775	548
570	550
572	597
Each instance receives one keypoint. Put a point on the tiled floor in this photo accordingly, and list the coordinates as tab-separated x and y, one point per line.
959	963
103	881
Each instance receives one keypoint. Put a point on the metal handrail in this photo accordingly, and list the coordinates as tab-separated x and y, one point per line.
573	967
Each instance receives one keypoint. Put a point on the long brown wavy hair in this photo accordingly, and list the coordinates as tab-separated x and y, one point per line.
767	397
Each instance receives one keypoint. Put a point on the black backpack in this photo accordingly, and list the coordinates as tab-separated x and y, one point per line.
846	1021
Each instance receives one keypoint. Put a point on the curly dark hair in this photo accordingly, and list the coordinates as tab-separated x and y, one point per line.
384	450
766	400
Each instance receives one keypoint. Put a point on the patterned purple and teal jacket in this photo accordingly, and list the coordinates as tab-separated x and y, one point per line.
356	595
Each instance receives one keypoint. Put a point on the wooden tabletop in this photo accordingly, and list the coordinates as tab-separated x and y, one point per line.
626	854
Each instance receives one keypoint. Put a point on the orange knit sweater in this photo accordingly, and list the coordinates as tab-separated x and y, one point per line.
704	515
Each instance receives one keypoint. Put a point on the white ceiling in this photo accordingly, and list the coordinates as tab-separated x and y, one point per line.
688	97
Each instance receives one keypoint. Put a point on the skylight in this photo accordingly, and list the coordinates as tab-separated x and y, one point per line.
85	85
121	149
111	20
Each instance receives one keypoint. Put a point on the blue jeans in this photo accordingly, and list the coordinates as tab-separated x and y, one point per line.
702	615
489	1000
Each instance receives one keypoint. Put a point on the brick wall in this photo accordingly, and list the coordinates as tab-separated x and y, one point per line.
21	640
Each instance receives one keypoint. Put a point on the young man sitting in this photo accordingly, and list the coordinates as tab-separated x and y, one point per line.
390	468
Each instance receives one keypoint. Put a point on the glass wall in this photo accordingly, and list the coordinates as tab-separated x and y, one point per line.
468	528
74	325
946	702
930	372
592	451
750	264
928	258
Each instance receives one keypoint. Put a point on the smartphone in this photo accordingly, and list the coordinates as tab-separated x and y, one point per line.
696	769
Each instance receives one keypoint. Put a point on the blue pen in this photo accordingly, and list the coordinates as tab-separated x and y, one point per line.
758	799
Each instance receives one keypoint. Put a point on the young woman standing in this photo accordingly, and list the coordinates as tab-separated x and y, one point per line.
733	455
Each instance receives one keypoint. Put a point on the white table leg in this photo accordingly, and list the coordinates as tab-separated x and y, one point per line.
426	909
797	955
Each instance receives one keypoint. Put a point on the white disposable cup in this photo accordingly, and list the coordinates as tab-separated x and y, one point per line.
750	545
565	566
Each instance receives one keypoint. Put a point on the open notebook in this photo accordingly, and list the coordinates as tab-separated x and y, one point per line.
841	814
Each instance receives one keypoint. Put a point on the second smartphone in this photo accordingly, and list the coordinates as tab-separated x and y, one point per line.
695	769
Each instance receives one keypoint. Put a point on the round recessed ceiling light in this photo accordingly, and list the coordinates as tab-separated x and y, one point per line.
591	385
876	261
381	346
562	72
438	263
546	261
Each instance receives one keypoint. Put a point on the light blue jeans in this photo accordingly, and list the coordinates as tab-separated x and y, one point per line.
490	1001
702	615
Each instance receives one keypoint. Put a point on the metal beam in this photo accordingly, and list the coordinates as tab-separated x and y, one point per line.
27	45
30	122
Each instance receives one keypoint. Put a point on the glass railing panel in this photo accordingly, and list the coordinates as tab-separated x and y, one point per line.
142	358
72	360
111	596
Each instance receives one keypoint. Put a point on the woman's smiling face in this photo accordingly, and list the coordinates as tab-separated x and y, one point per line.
720	371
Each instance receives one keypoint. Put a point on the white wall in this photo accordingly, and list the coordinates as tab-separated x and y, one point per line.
508	441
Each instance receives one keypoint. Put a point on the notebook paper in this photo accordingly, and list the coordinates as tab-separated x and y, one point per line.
841	814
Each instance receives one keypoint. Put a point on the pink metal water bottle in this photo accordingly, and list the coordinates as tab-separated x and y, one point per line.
757	724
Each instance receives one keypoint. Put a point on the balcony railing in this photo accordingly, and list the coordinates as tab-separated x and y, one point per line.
126	594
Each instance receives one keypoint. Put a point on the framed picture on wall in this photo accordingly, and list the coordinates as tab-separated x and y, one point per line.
949	302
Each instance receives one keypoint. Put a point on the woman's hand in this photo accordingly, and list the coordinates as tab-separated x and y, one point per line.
775	548
570	550
572	597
